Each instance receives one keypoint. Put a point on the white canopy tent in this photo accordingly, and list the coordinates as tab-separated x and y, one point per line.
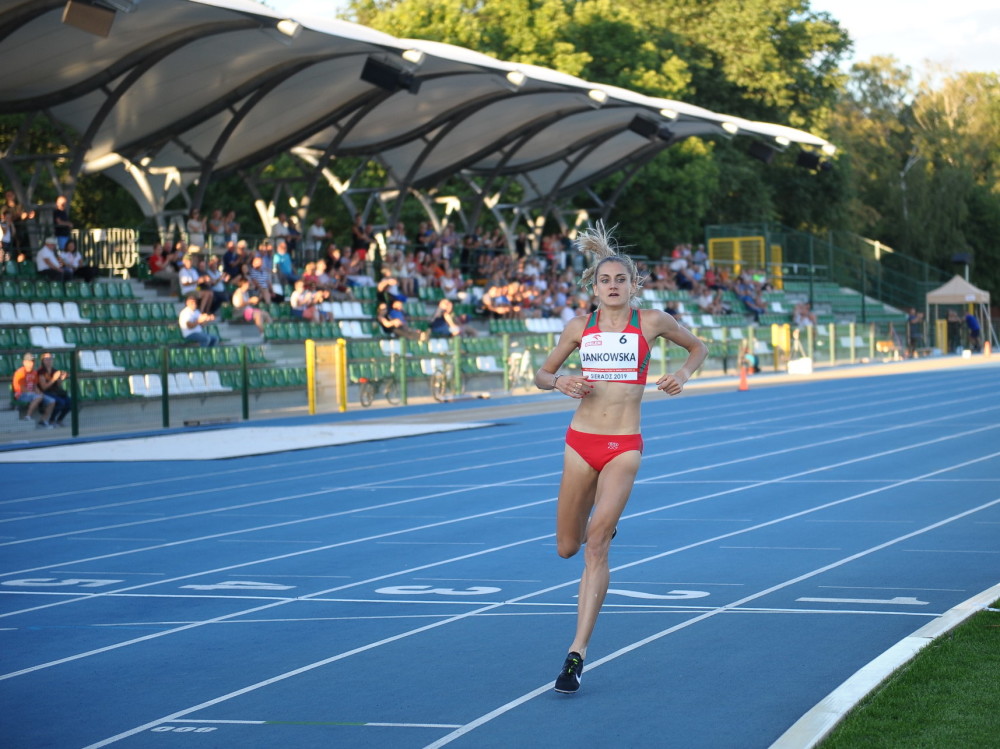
958	291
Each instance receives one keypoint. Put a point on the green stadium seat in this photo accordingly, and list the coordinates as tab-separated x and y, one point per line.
89	390
100	291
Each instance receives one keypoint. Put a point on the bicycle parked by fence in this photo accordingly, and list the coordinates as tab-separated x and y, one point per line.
379	380
443	380
520	373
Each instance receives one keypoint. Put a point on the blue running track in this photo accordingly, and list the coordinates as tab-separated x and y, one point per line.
406	592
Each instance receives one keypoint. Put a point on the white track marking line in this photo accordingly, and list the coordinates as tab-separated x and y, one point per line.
468	727
694	430
483	719
764	407
493	465
483	552
447	522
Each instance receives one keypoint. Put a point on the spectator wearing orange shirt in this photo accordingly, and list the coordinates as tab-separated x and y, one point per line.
26	390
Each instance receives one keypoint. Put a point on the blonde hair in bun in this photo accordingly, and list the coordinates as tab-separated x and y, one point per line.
598	243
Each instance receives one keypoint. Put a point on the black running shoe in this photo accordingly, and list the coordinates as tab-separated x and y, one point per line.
568	681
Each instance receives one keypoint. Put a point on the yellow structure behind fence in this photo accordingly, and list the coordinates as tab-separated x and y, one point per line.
739	253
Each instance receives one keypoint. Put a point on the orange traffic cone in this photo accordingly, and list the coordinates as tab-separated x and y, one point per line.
743	378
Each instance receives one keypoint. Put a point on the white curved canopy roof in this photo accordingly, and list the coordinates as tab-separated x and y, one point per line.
203	86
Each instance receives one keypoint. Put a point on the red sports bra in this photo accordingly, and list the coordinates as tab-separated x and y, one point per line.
615	357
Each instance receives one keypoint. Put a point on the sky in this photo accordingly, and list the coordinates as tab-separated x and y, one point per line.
963	35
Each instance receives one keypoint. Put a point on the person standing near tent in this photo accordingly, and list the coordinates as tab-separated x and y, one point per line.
603	443
914	332
975	331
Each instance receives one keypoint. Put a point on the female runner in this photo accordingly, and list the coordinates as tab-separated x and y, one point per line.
603	442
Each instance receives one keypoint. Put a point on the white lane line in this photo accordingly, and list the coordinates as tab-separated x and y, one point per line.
616	654
696	431
315	723
503	709
492	466
396	574
765	405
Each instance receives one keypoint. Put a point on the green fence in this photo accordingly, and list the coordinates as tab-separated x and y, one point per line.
846	260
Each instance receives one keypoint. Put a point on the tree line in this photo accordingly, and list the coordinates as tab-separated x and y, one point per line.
919	162
918	167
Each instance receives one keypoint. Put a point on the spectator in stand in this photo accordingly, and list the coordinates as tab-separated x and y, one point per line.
496	303
306	304
50	383
702	297
279	229
46	262
73	264
711	279
317	235
25	385
196	228
7	234
191	319
453	286
398	241
247	305
234	260
193	284
334	257
750	298
20	218
388	289
217	230
215	281
802	315
335	281
60	219
393	321
445	324
361	240
282	265
232	227
260	280
294	235
162	267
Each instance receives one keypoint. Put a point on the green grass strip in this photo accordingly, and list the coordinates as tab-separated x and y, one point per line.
947	696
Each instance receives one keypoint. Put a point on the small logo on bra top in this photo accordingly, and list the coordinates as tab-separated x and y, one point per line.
612	445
